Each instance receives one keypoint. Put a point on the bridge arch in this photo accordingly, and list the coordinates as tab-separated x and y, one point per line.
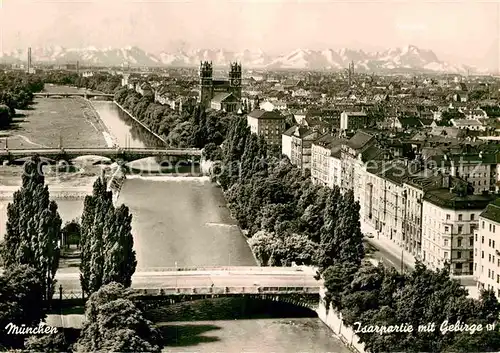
305	300
44	160
91	159
227	307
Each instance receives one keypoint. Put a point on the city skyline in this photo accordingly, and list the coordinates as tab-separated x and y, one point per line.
467	32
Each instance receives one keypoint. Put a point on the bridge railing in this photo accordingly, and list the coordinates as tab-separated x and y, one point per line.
77	294
227	269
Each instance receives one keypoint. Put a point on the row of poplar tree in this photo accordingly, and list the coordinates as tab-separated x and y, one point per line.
30	255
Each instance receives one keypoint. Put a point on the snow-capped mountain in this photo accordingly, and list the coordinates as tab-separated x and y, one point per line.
407	58
86	56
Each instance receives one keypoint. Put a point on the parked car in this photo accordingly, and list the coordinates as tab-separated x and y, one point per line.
369	235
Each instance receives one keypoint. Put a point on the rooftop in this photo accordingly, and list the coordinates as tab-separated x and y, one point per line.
220	97
492	211
355	113
360	140
445	198
410	122
265	115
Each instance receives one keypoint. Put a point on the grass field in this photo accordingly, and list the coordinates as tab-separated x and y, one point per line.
51	121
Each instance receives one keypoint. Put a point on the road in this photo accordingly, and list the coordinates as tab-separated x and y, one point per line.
385	256
197	279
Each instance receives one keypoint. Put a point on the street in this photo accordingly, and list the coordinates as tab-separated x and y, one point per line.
382	255
145	280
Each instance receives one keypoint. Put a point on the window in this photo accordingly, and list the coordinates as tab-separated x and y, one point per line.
446	242
460	229
498	264
489	242
493	228
471	241
472	217
490	227
459	254
482	254
482	239
471	254
459	241
476	237
489	257
447	217
498	278
445	254
459	217
475	252
482	224
489	273
493	244
446	228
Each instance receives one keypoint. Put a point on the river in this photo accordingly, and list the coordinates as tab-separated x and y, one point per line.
184	221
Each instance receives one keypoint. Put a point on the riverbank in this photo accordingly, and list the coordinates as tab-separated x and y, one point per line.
139	122
111	140
51	122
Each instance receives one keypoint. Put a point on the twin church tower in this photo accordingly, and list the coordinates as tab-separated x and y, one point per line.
219	90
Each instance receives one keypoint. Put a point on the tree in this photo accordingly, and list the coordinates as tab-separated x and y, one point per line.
120	262
212	152
96	207
114	324
107	253
337	278
33	227
51	343
329	241
5	116
21	301
349	238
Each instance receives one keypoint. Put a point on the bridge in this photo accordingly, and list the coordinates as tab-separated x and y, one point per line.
72	94
124	154
289	284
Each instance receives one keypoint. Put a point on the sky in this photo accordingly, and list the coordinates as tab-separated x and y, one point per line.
462	31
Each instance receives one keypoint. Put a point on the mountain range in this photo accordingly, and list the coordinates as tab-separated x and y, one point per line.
408	58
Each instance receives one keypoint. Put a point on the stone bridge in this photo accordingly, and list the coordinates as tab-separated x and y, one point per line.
85	95
295	285
52	155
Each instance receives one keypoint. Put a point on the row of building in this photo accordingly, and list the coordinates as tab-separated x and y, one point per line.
436	203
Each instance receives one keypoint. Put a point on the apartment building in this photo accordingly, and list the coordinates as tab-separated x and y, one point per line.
388	200
478	168
352	121
450	218
286	142
350	161
268	124
325	160
487	249
369	158
301	143
414	188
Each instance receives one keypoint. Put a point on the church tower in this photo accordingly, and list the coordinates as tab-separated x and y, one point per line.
235	80
205	83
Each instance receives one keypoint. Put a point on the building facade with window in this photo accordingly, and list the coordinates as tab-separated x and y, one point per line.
487	249
450	217
271	125
302	139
